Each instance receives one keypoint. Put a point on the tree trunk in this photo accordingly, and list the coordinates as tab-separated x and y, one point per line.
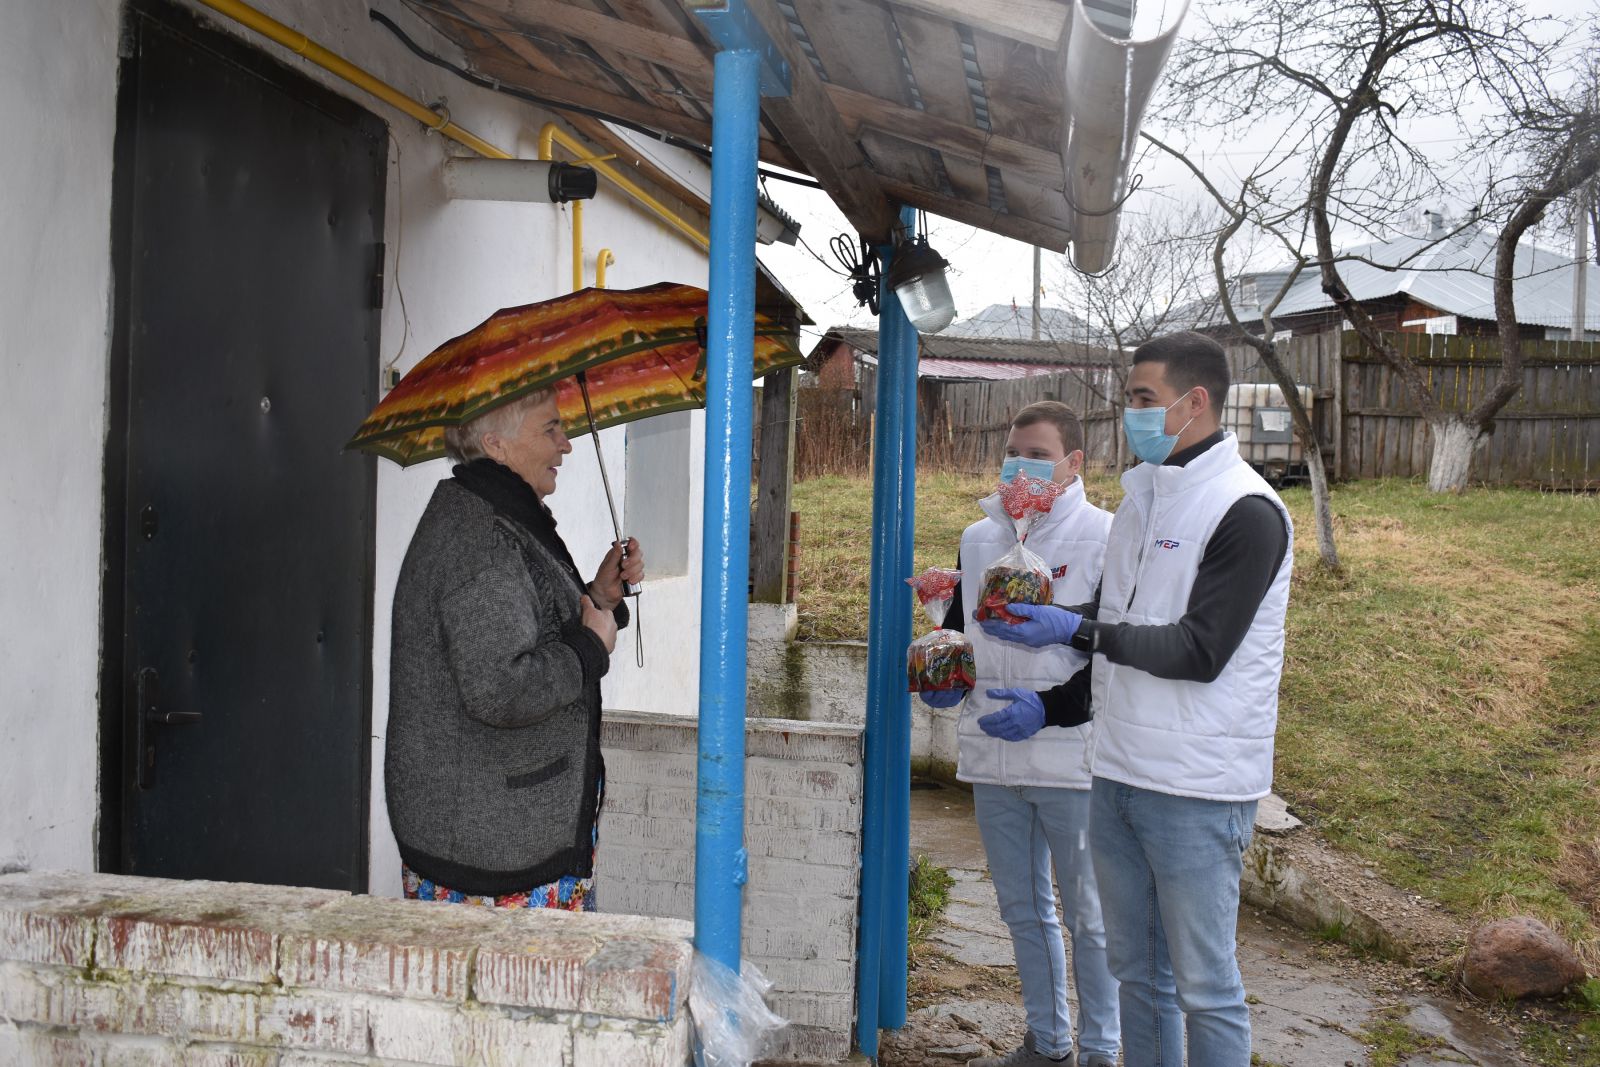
1454	442
1321	505
1118	440
1311	448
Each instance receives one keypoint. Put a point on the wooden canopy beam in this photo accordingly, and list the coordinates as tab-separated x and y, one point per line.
1026	230
1041	165
809	123
672	52
561	91
858	109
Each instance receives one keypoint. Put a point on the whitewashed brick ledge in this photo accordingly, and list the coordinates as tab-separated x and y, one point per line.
803	832
141	972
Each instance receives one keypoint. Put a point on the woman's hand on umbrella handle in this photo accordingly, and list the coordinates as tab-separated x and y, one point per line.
633	562
608	589
602	623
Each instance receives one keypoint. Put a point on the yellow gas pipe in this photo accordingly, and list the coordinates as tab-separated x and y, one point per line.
602	260
549	136
337	65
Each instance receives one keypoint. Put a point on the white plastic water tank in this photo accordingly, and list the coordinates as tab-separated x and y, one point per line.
1258	415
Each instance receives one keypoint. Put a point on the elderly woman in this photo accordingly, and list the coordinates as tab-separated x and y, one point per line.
493	766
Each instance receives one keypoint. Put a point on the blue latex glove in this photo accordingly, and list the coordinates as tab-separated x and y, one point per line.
1017	721
943	698
1043	624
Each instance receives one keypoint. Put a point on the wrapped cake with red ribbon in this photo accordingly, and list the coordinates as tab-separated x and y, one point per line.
943	658
1019	576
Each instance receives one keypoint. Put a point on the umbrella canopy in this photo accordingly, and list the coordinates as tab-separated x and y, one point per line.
642	351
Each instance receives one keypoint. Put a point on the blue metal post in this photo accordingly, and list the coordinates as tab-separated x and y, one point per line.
720	859
881	988
869	945
901	374
747	67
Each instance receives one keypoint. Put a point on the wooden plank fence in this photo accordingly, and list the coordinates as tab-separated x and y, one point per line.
968	421
1549	435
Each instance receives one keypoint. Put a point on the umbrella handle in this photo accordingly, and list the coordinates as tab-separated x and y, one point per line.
628	588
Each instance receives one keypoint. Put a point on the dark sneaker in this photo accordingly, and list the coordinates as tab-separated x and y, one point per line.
1024	1055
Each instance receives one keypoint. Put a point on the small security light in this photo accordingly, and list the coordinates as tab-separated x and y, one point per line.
917	277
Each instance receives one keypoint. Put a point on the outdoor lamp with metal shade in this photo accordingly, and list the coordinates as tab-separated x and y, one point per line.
917	277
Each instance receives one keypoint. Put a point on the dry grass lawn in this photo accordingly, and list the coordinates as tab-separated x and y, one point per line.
1441	699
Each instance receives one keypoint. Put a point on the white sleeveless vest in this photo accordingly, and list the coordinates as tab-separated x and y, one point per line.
1072	541
1211	740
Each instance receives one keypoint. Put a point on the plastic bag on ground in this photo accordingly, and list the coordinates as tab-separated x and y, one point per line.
732	1022
942	659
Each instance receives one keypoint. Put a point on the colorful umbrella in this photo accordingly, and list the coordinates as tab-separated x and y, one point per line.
640	352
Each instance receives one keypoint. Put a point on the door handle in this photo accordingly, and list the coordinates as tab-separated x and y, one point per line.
148	712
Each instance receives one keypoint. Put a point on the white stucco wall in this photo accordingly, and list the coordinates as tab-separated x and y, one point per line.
55	211
457	263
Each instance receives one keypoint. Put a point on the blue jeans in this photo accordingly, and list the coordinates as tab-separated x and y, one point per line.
1023	829
1169	876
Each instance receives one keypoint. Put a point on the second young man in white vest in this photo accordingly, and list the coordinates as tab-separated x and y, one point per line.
1186	634
1029	788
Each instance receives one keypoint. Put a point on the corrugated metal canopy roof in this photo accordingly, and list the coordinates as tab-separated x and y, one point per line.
955	106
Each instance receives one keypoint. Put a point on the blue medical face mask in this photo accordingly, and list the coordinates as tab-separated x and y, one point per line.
1031	468
1146	430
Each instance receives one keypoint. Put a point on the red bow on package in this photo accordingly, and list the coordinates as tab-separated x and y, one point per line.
1026	499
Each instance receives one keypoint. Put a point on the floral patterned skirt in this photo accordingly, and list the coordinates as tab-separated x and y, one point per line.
567	893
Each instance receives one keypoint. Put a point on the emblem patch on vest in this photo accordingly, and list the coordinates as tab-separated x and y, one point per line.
1059	572
1164	543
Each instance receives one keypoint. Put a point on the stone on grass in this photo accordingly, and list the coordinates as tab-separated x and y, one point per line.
1510	959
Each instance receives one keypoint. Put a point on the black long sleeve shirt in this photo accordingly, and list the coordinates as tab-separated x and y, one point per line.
1240	561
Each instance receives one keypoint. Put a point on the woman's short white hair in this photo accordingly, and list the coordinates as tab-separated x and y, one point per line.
464	443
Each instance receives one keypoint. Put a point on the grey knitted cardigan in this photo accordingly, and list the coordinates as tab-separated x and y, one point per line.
493	755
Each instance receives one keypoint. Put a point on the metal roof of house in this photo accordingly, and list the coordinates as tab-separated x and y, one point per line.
1011	321
971	370
1046	356
957	108
1452	274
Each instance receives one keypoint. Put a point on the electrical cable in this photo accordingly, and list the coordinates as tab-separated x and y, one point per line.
399	239
495	85
864	271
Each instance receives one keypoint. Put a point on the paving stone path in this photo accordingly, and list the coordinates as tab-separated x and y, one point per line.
1311	1005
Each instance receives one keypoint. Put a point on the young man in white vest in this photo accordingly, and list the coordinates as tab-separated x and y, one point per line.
1029	788
1186	634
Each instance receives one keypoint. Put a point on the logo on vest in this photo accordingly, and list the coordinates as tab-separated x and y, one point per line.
1059	572
1164	543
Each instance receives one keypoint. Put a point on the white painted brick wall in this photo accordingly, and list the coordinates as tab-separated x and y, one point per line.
803	833
138	972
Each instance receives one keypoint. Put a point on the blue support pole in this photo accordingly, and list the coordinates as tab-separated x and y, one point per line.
902	374
720	862
885	846
869	945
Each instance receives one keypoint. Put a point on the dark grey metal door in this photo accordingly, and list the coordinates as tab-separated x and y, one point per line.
249	217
